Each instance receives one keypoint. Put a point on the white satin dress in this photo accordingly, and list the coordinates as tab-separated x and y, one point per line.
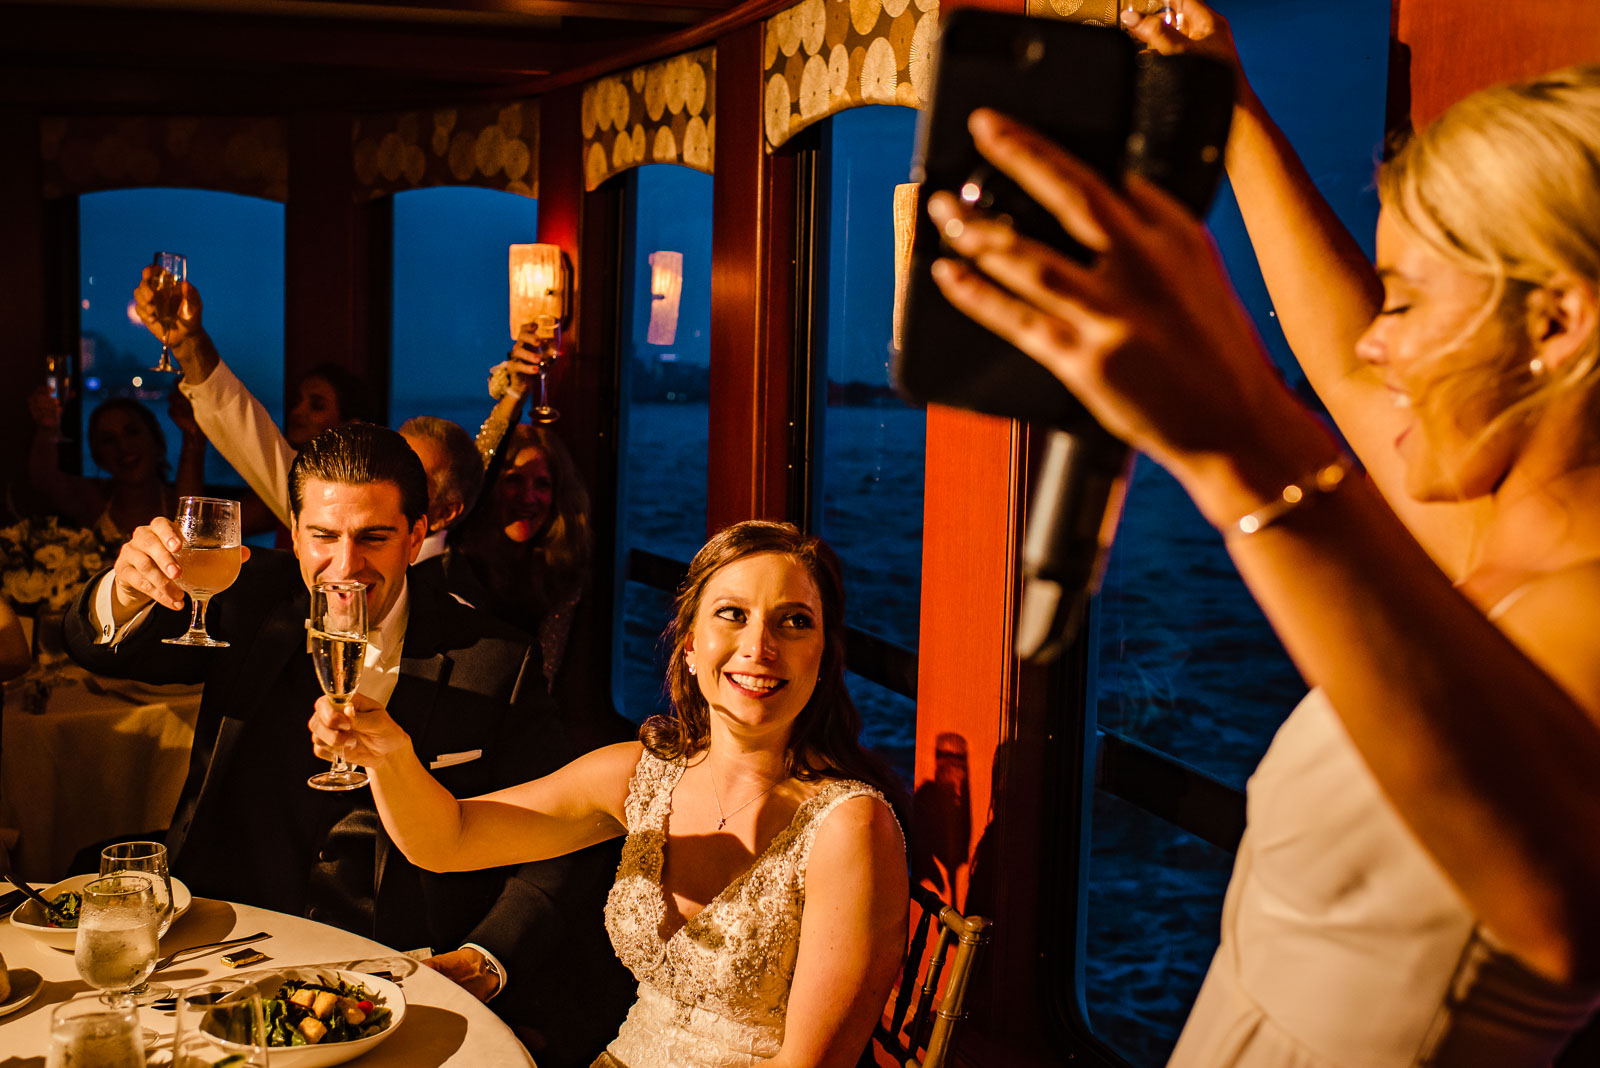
1344	945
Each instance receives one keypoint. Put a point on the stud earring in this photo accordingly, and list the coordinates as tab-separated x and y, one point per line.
691	669
1536	367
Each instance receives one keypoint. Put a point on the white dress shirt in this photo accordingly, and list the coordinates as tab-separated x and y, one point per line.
244	434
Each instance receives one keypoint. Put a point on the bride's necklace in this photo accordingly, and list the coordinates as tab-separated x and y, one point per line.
723	817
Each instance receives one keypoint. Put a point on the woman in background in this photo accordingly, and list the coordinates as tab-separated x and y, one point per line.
1418	879
761	900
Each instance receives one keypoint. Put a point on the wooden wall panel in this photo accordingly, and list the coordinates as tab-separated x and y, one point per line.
23	274
752	265
1457	46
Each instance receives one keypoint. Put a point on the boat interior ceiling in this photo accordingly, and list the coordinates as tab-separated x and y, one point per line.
281	55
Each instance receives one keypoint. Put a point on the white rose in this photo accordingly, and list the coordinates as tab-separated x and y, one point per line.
92	562
26	587
50	556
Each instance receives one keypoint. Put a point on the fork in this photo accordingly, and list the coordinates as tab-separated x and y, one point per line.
225	943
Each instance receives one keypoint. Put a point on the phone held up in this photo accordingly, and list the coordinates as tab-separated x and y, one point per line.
1091	91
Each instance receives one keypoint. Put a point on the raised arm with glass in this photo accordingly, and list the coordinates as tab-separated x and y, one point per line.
339	649
208	560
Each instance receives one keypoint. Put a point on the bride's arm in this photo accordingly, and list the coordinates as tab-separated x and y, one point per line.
852	936
575	806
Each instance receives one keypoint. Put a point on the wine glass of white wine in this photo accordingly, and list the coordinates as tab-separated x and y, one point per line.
208	560
148	859
118	936
339	649
172	270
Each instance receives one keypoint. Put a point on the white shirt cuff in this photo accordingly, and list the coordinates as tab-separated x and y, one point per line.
103	618
494	965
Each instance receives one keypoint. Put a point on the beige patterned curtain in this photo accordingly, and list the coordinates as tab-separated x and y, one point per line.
823	56
86	154
494	146
1093	12
662	112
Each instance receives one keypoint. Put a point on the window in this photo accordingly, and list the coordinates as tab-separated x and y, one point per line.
664	430
1181	659
450	323
867	477
234	246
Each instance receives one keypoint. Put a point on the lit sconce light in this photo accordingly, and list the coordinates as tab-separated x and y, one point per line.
666	287
539	293
906	198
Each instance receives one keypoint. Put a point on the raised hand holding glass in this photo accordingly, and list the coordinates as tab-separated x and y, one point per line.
208	559
172	270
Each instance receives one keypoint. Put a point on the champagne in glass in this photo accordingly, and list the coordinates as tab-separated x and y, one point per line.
208	560
118	932
338	650
149	859
172	270
86	1034
549	346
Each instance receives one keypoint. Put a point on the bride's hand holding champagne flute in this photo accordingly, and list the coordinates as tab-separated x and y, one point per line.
339	651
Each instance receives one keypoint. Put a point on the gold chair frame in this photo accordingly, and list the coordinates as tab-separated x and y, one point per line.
923	1025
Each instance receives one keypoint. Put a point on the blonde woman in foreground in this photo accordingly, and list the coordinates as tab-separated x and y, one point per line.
1419	879
761	899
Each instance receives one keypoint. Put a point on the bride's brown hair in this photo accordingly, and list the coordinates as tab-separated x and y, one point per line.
826	742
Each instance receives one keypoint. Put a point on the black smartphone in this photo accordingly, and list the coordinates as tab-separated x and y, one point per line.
1074	84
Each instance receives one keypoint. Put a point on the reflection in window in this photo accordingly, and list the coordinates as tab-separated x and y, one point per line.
450	298
1181	657
234	246
868	476
664	430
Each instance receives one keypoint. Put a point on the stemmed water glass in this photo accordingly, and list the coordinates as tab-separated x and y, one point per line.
208	559
339	649
119	928
148	859
220	1022
172	270
85	1033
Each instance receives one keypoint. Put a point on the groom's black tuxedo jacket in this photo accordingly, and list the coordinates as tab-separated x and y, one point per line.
248	828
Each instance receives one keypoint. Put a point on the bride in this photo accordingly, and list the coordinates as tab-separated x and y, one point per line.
762	895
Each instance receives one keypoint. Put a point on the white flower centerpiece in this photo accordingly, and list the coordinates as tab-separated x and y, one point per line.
44	564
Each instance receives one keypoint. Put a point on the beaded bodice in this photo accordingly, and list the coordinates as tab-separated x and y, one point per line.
716	991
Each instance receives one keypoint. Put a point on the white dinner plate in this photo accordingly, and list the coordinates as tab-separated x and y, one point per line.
327	1054
25	984
29	917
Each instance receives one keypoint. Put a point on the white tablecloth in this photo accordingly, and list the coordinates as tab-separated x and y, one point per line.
91	766
444	1025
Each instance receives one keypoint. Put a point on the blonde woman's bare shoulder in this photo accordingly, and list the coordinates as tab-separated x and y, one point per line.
1555	619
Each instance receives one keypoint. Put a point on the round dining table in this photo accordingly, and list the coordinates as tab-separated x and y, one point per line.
443	1025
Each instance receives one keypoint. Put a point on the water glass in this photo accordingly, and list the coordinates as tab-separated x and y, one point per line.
217	1021
118	932
144	858
87	1034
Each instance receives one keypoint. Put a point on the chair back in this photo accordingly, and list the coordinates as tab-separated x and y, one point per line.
915	1022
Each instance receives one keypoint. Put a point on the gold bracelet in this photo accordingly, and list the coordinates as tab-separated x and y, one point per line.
1322	481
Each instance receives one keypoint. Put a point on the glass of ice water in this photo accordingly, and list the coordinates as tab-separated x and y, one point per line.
144	858
118	936
87	1034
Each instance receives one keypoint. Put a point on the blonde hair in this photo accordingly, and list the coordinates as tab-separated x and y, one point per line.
1506	184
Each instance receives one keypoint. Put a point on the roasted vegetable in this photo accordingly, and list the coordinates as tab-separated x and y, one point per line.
308	1013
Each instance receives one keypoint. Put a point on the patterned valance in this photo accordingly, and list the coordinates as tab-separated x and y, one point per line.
1092	12
86	154
662	112
823	56
494	146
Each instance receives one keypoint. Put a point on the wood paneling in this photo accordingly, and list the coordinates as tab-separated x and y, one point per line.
752	290
23	278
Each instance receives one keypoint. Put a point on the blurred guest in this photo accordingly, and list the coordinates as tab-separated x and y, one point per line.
126	442
528	544
455	475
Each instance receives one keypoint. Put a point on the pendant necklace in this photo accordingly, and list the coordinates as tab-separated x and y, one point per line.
722	817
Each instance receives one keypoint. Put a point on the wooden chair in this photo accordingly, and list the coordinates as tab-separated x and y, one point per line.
921	1024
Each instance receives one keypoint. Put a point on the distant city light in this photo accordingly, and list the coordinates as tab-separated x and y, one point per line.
91	384
669	357
85	303
137	382
133	312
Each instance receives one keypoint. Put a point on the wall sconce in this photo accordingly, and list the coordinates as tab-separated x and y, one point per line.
906	199
540	289
666	288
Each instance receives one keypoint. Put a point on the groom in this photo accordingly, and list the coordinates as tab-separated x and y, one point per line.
469	690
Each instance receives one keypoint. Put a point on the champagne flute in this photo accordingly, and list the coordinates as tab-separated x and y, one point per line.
58	378
86	1034
1164	8
220	1022
172	270
549	346
339	649
208	561
149	859
118	936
